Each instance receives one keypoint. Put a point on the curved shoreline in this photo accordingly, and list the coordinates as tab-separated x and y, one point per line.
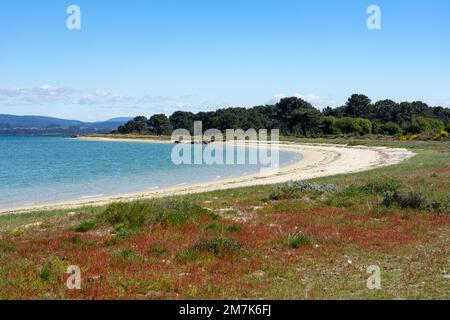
318	160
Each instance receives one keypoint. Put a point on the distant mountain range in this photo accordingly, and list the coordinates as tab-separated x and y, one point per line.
38	125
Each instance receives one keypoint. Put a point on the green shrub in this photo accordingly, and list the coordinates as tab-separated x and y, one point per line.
151	212
285	191
436	124
129	254
6	246
296	240
159	251
85	226
379	185
339	202
390	128
328	126
45	275
213	227
52	267
405	200
365	125
424	125
187	255
235	228
376	127
123	233
355	126
17	232
218	246
440	207
119	227
296	189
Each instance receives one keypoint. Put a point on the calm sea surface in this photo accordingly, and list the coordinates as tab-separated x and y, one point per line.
38	170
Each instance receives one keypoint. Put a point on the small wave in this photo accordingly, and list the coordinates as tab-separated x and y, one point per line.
93	196
182	184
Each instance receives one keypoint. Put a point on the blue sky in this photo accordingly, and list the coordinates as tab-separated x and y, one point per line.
143	57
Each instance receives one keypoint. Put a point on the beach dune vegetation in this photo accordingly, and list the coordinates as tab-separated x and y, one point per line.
151	212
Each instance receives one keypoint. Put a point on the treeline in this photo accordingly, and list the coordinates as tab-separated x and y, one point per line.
294	116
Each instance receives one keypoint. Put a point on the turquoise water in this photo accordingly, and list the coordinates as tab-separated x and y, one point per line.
38	170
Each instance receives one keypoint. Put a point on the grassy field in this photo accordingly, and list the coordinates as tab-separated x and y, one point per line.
310	240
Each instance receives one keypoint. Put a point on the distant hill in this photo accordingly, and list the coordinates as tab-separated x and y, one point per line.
121	120
39	125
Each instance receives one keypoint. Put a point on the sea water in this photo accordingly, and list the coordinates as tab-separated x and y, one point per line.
41	170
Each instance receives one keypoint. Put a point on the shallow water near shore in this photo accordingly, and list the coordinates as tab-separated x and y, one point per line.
41	170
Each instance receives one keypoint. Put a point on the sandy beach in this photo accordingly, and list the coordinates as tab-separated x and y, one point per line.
318	160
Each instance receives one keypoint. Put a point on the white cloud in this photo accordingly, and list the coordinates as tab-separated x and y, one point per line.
434	102
33	95
48	94
101	97
276	98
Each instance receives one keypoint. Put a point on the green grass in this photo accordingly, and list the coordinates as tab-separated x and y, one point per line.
188	255
235	228
295	240
159	251
217	246
152	212
7	246
129	254
85	226
374	186
213	227
45	275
